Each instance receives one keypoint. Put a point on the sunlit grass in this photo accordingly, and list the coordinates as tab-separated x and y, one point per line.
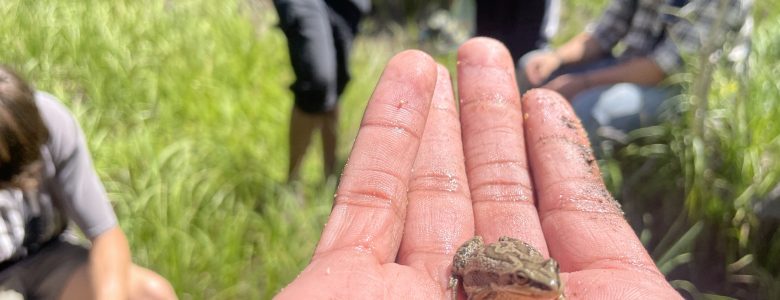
186	105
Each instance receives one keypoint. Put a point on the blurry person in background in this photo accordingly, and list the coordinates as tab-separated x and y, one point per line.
319	38
623	92
46	181
522	26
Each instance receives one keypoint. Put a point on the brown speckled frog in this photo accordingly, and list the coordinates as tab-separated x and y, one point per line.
507	269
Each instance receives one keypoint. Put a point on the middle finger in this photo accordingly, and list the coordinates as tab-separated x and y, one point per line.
493	144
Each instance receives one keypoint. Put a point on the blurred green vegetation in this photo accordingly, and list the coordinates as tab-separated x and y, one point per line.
185	104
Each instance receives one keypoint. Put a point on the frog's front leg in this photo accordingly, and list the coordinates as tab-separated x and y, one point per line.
454	286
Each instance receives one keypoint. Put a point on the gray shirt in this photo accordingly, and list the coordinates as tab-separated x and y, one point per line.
69	190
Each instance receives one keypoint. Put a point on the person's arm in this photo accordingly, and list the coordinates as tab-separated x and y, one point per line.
580	49
640	70
109	265
78	188
591	44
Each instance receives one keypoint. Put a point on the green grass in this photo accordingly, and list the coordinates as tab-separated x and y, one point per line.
691	186
185	104
186	109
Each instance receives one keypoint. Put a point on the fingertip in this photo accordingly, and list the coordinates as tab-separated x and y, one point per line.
547	111
442	72
443	80
414	64
543	95
484	51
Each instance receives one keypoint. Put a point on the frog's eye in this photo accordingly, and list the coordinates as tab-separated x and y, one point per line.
519	278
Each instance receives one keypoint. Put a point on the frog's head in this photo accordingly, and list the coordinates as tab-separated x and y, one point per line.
532	280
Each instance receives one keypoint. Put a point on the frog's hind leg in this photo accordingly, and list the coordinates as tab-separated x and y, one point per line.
464	254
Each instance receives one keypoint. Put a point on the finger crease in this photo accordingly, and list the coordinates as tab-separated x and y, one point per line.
393	127
499	163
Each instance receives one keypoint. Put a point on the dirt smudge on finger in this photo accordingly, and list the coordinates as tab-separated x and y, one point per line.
583	151
569	123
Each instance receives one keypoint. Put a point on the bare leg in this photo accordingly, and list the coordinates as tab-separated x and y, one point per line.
144	284
330	124
302	125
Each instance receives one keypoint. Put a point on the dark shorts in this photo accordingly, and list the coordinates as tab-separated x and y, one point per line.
517	24
319	39
44	274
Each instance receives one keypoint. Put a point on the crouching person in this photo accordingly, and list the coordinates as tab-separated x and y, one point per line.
47	181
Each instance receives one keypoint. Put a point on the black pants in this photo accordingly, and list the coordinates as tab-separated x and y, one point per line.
319	38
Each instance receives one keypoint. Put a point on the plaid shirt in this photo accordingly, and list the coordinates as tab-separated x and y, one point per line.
659	30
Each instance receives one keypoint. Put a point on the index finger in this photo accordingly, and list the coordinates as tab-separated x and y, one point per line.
370	202
583	225
439	216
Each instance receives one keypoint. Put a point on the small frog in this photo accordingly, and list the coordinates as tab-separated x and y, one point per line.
507	269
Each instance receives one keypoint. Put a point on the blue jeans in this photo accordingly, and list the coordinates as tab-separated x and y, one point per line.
622	106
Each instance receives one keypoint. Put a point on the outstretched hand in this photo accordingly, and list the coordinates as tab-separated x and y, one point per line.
422	179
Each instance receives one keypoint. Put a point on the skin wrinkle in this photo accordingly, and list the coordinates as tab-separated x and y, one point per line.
566	179
445	138
502	163
403	126
489	99
356	230
489	153
436	182
517	178
622	263
494	130
510	190
383	185
364	199
494	140
437	252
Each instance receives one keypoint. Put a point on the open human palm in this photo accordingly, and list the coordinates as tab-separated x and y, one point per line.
423	177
